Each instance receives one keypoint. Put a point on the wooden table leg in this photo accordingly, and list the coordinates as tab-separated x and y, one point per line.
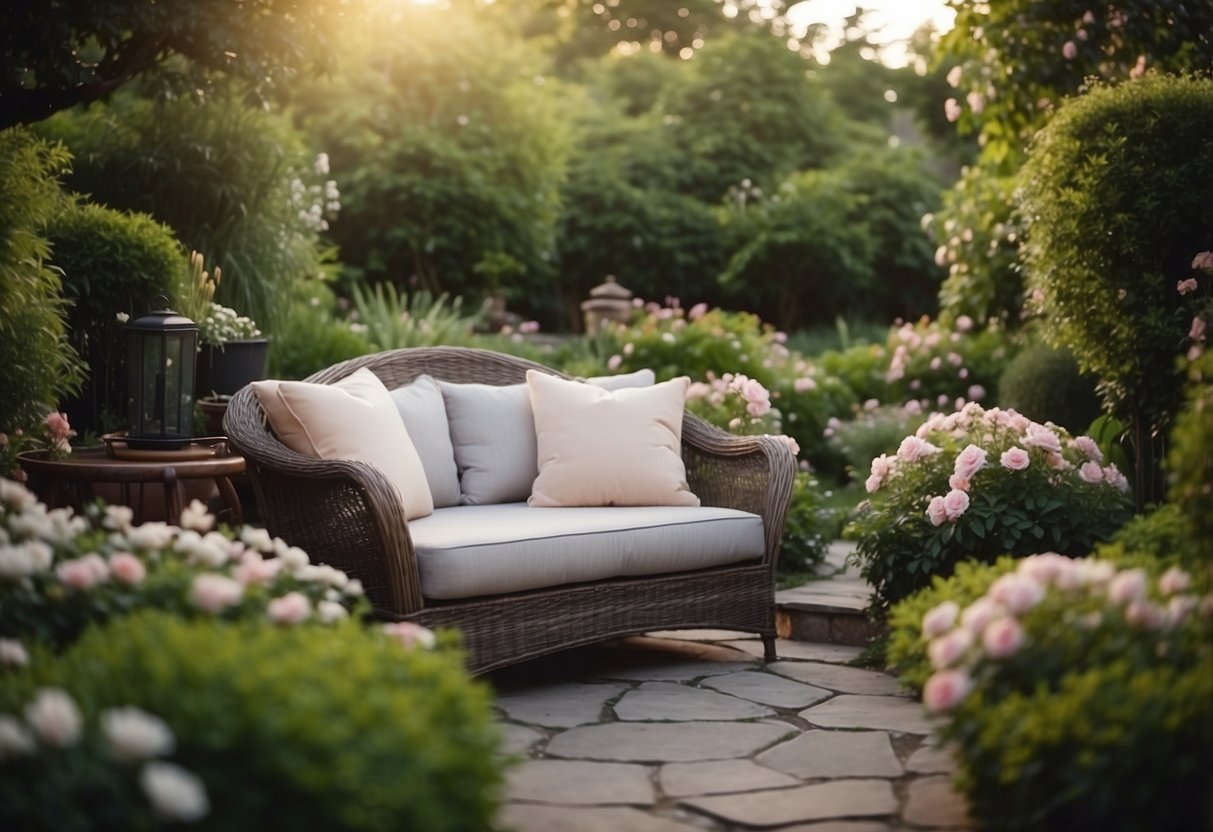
230	498
173	500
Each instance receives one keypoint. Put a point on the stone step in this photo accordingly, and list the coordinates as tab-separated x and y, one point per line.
831	609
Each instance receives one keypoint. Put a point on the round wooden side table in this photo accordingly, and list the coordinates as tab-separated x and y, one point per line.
88	473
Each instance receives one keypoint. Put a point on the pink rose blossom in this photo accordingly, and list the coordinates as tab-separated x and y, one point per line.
969	461
1113	477
1129	585
964	323
936	512
912	449
614	361
882	466
1088	447
1174	581
1088	17
54	717
1015	459
1186	286
57	427
254	569
954	76
127	569
1197	332
959	483
1038	436
697	311
976	392
1069	50
979	614
758	399
1002	637
955	503
872	484
1139	68
83	572
1090	472
1016	593
940	619
976	101
804	384
1204	260
1045	568
948	649
1148	616
215	593
945	690
951	109
290	609
410	634
13	653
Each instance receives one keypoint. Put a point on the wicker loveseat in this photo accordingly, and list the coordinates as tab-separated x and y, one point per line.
346	514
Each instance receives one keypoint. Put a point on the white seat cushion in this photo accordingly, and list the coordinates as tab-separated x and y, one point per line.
469	551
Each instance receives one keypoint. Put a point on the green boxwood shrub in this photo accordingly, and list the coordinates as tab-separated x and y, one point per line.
112	263
1045	384
1075	693
287	728
37	363
1115	197
1190	463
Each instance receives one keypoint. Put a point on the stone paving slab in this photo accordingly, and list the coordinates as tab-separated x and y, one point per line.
767	689
523	817
676	671
560	705
720	777
701	635
671	702
576	782
888	713
518	739
931	760
932	801
833	800
666	742
820	754
807	650
839	678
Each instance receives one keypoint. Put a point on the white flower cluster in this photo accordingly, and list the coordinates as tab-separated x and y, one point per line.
53	721
315	205
222	324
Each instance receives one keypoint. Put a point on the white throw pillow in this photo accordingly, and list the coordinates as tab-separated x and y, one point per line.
354	418
423	410
493	435
599	447
640	378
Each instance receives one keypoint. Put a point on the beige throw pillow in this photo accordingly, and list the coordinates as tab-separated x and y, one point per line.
354	418
599	447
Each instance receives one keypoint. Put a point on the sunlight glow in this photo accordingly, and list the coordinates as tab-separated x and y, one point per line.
892	22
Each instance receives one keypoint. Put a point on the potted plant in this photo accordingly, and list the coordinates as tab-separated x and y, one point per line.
231	349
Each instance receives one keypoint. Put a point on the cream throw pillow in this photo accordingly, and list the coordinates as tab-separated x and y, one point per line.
599	447
354	418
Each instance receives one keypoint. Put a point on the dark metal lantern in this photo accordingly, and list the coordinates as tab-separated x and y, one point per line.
161	351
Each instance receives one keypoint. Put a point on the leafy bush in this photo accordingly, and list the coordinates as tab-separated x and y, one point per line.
313	336
875	430
977	484
1114	195
1077	696
1190	463
231	180
809	527
939	362
394	320
113	264
61	572
1046	385
37	363
287	727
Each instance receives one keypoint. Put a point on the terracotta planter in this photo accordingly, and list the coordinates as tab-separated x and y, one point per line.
224	370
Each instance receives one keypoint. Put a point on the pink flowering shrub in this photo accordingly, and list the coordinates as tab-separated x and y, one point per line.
61	571
1090	673
977	484
53	436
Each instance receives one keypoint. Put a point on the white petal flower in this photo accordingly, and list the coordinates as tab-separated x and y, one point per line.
15	738
175	793
134	734
54	717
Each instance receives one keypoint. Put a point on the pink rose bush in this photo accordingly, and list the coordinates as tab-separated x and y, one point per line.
1091	672
53	437
60	571
978	483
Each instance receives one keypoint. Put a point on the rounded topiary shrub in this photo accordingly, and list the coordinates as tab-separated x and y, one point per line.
112	263
1115	195
1046	385
282	727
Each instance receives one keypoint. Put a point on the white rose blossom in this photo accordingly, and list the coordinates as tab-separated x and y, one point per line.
175	793
134	734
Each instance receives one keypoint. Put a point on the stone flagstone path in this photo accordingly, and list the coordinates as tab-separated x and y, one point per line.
676	732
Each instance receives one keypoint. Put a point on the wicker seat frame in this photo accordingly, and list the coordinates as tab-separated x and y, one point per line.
346	514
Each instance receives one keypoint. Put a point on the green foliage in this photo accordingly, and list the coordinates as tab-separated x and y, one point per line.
314	336
948	496
60	53
393	320
458	152
37	362
1190	461
809	527
1045	385
232	181
939	362
979	234
1164	535
112	263
873	430
301	728
1114	195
